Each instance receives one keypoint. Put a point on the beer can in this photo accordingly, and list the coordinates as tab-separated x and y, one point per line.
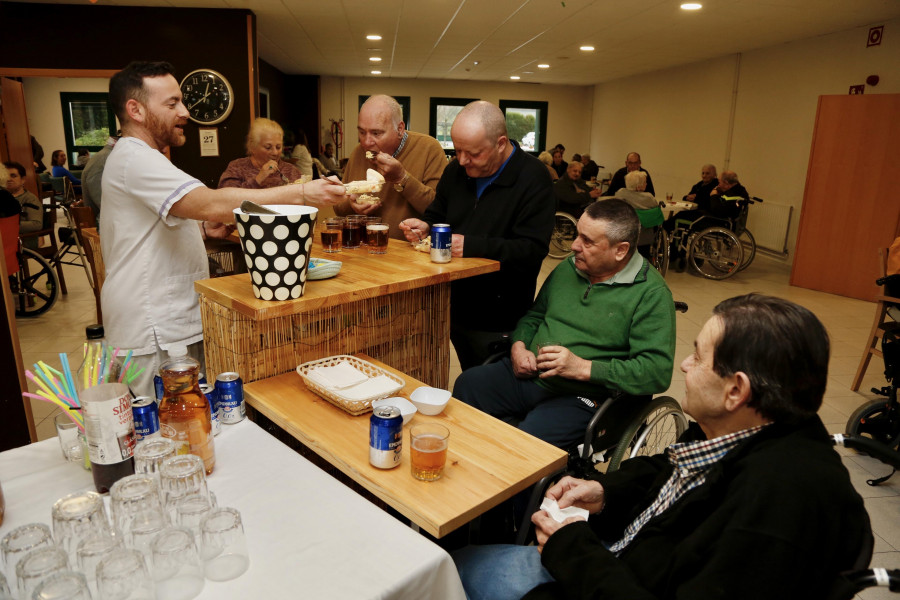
209	391
158	386
441	241
230	398
385	437
146	418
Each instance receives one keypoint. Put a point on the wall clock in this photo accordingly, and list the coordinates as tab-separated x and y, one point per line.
208	96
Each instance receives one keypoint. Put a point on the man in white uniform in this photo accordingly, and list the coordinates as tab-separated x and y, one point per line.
151	240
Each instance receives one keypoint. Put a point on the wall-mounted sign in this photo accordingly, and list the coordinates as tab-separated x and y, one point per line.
209	141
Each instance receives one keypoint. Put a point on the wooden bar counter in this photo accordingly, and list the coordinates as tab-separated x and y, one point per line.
394	307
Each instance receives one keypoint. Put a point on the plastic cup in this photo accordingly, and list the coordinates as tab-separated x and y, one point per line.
428	450
223	545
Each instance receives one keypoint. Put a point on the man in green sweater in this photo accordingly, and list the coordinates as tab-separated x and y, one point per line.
604	320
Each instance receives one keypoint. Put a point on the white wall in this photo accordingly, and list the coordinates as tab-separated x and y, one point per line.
44	108
678	118
569	107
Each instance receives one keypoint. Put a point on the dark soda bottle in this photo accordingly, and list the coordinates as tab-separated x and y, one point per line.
109	428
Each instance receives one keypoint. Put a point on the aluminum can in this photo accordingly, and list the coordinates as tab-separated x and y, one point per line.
209	391
385	437
441	240
158	386
230	398
146	418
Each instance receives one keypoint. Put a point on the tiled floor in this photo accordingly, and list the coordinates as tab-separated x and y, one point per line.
848	322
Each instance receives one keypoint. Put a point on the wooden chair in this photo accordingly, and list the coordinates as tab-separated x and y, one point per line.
71	244
90	238
882	323
50	251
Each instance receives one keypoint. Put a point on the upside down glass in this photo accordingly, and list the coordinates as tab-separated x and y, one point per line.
19	542
223	545
76	516
124	575
176	565
428	450
37	565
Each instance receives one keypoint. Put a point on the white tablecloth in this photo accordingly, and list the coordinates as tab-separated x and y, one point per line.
309	536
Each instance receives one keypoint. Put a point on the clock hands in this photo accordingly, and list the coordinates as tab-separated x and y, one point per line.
205	96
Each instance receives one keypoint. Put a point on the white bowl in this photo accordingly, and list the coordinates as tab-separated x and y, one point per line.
429	400
407	410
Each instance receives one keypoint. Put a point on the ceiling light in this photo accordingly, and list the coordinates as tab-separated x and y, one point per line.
476	62
586	48
375	58
514	77
691	6
543	66
373	37
376	72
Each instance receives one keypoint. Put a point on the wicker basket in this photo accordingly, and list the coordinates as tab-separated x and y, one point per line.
354	407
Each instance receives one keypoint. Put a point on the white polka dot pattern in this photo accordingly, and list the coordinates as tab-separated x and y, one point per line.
276	249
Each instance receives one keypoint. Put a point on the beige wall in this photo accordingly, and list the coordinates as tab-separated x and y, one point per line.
678	119
45	110
569	107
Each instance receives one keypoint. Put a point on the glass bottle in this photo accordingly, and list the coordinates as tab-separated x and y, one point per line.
184	413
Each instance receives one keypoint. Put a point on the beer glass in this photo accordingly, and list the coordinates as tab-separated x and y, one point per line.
331	235
377	237
428	450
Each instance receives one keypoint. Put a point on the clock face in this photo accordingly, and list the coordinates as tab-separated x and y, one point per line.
208	96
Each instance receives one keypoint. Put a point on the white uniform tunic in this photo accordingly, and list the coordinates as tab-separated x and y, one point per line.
152	259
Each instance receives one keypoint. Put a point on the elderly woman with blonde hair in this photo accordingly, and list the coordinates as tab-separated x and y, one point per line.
263	166
547	158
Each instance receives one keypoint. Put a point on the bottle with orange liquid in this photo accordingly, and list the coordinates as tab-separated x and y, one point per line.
184	414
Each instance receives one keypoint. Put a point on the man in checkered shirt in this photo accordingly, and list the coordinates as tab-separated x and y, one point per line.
753	502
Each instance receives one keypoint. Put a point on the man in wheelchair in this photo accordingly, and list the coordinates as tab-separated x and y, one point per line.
604	321
752	503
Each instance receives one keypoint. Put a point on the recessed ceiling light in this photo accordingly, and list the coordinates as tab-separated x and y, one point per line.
375	58
691	6
476	62
373	37
376	72
586	48
543	66
514	77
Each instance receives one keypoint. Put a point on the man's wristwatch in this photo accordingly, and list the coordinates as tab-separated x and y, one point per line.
402	183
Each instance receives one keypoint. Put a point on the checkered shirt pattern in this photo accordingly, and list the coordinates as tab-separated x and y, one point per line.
691	462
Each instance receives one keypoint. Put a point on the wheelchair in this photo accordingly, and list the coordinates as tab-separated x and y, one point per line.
565	230
719	247
32	280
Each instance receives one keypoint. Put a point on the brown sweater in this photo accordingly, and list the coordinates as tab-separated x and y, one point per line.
424	160
241	173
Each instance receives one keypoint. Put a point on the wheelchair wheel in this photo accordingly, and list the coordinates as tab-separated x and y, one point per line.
657	426
659	252
716	253
877	420
564	232
748	244
35	286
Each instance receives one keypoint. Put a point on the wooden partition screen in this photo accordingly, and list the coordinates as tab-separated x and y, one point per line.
851	206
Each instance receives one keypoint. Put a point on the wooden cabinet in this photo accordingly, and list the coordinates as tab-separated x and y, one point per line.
851	206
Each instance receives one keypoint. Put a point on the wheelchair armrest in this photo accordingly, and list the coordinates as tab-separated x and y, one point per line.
589	434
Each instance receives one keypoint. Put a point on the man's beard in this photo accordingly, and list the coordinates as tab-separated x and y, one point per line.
163	135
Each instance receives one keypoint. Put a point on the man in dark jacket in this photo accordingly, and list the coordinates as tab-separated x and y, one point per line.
632	163
753	503
499	203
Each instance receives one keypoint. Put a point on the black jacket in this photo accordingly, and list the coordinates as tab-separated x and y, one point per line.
776	518
618	182
511	222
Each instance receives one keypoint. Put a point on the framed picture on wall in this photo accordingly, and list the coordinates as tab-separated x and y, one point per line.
404	104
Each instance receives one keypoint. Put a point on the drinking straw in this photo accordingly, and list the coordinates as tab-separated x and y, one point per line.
132	377
125	366
40	383
39	369
64	359
73	415
87	365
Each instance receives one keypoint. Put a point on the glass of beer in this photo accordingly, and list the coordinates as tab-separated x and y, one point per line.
353	229
668	196
428	449
377	237
331	235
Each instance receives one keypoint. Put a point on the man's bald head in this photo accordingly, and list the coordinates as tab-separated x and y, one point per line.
480	139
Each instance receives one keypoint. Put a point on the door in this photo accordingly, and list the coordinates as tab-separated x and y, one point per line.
850	206
15	141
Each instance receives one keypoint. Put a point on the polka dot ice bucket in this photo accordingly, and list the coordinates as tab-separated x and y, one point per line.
276	248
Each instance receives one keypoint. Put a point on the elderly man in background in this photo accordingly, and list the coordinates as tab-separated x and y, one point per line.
753	502
411	163
92	176
327	159
499	203
610	319
724	199
632	163
590	169
156	217
700	191
572	193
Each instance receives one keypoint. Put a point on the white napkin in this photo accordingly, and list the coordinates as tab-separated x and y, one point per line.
338	377
561	514
370	387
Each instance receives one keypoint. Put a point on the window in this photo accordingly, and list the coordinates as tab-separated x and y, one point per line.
526	122
443	112
88	121
404	104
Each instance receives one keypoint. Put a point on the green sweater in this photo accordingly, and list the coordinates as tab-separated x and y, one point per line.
625	326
